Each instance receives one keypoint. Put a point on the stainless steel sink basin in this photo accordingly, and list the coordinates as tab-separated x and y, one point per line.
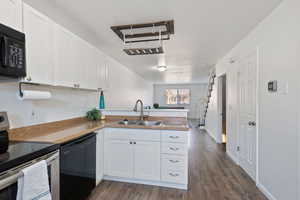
140	123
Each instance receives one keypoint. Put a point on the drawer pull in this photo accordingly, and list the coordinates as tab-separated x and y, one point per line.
174	161
174	148
174	175
174	137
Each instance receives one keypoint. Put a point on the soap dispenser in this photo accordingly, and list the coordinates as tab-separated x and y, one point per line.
101	102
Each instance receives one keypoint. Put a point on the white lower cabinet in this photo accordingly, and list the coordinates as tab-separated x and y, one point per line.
142	156
118	158
147	160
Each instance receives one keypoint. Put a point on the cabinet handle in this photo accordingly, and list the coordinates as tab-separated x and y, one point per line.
174	161
174	148
130	142
174	137
134	142
174	175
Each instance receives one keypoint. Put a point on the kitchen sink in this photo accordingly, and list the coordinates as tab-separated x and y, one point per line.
140	123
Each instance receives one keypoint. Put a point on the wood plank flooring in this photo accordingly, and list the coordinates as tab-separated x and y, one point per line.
212	176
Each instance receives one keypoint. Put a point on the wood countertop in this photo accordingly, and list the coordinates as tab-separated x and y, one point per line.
66	130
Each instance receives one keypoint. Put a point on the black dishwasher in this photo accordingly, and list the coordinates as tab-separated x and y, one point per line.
78	168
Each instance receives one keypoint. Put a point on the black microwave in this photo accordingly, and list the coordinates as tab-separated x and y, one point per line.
12	53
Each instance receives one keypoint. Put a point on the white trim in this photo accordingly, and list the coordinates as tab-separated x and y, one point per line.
211	135
258	82
232	157
219	107
155	183
265	192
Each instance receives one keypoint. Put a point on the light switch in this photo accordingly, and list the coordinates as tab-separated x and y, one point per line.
272	86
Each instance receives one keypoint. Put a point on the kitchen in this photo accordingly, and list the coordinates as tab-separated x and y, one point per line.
94	102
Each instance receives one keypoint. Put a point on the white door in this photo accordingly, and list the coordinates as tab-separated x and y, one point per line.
147	160
118	158
40	58
11	13
247	114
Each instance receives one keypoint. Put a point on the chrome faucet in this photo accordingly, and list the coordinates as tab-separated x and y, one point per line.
142	109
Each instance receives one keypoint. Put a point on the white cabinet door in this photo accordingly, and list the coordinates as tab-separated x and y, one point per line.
11	13
67	53
99	156
103	72
147	160
39	45
118	158
89	67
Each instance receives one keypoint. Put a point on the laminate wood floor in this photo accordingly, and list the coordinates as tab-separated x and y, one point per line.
212	176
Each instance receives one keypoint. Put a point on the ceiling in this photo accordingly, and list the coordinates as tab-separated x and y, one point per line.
205	30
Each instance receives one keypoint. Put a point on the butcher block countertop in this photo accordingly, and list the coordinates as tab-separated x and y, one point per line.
63	131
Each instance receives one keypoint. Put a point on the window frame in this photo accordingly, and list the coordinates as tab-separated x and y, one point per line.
177	89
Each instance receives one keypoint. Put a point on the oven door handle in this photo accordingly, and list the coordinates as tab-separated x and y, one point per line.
15	173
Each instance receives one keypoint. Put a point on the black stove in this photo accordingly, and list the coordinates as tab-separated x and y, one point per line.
15	153
21	152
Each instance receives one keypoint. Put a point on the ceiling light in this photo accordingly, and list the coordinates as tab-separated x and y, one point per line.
161	68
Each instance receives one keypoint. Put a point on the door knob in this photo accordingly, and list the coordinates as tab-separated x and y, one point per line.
252	123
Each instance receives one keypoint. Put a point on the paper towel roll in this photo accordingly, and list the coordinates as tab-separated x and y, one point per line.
34	95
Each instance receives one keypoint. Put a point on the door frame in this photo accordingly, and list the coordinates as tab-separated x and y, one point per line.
257	52
219	106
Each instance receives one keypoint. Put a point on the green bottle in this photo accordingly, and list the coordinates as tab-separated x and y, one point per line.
101	102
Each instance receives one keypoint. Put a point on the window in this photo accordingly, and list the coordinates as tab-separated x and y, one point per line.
178	96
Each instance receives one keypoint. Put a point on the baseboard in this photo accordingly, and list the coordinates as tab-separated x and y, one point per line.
265	192
154	183
232	157
211	135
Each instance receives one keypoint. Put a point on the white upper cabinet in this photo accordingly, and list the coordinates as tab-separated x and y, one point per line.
76	61
11	13
67	70
103	72
39	46
89	64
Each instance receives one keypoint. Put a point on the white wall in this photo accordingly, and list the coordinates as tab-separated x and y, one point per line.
198	92
212	117
278	40
126	87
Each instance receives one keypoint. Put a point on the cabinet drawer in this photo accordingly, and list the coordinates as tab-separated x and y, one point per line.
172	176
145	135
132	134
117	134
170	162
174	136
174	148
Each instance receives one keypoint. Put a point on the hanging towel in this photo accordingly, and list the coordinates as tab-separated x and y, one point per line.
33	184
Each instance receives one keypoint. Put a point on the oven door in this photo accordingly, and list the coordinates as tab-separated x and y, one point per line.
9	179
